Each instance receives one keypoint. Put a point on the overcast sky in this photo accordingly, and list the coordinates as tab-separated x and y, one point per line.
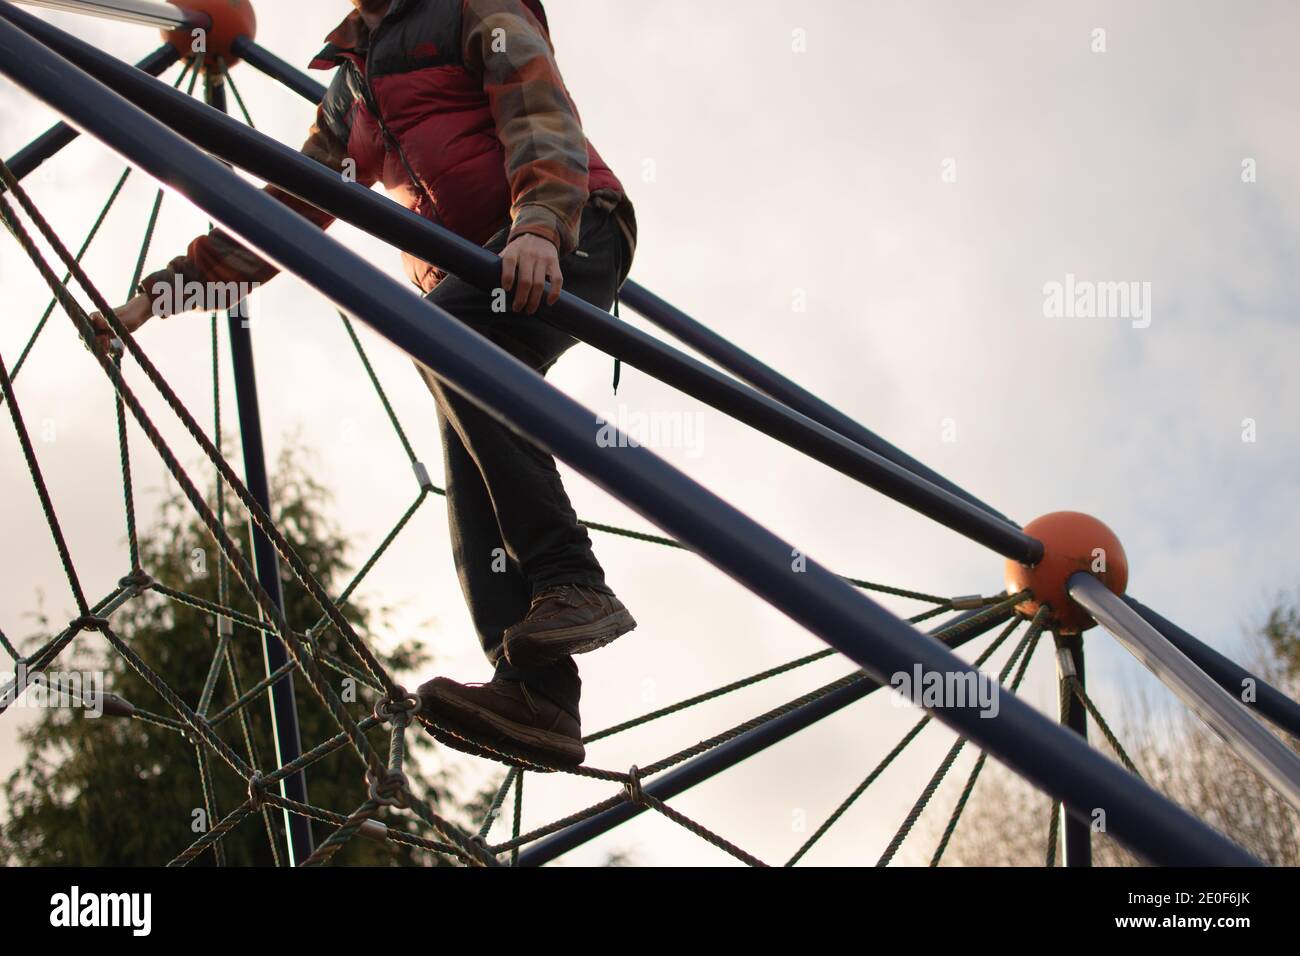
871	197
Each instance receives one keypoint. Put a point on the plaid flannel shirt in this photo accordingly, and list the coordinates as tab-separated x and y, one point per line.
540	131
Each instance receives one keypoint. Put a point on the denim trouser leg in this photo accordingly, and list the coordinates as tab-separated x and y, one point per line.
513	529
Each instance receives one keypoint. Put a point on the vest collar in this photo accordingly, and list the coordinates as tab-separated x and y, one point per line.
352	36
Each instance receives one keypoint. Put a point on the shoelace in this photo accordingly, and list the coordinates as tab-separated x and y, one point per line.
574	595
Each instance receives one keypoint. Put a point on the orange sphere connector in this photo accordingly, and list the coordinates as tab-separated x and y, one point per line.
1071	542
231	19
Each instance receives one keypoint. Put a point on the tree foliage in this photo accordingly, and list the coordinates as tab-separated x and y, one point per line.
122	792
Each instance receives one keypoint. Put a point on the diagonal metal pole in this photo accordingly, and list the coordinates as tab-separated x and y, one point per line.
1224	714
954	633
746	367
680	325
149	13
1254	692
277	69
284	705
399	226
1030	744
49	143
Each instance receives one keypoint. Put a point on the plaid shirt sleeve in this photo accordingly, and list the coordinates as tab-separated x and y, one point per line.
217	258
545	147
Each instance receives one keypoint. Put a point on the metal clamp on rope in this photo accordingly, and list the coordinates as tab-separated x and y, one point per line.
632	787
422	475
1065	663
374	830
313	646
89	622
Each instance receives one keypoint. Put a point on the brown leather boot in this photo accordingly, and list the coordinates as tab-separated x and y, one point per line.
504	717
565	620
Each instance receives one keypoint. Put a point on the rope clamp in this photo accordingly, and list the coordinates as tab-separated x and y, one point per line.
1065	663
422	475
632	788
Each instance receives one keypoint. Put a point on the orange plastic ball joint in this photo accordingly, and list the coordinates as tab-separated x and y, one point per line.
230	20
1071	542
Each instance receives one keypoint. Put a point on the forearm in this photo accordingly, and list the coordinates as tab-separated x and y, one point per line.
216	270
545	147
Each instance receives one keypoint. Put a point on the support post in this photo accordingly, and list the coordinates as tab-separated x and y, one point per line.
284	705
1075	829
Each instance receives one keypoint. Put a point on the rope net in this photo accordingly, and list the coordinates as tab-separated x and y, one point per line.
385	791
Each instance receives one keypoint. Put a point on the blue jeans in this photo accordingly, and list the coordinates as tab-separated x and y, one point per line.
513	529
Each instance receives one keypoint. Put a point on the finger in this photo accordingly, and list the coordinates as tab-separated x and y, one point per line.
509	264
524	285
556	278
539	287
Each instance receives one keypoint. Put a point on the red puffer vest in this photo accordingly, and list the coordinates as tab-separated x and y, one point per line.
413	85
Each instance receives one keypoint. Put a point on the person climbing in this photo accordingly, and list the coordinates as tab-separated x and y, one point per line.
459	109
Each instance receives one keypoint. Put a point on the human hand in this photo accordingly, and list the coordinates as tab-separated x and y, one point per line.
132	315
527	264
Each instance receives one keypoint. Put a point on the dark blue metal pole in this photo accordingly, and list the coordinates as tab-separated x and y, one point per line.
364	208
1050	757
276	68
680	325
284	703
954	634
48	144
746	367
1268	700
1076	829
404	229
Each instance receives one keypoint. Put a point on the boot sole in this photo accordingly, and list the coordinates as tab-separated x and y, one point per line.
537	650
476	731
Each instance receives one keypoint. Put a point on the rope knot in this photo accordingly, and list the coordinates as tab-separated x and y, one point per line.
256	790
389	790
90	622
398	707
139	578
632	788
